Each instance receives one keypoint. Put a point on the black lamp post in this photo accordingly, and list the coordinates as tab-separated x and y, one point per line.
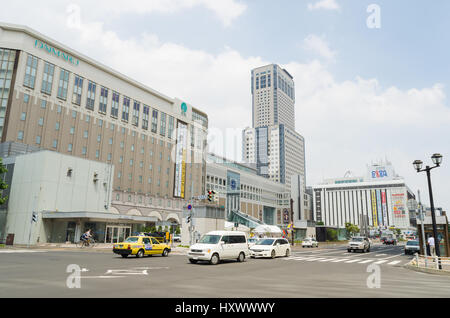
437	160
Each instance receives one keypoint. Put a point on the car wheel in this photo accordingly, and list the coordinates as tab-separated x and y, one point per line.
303	247
288	252
241	257
349	251
214	259
124	256
165	252
273	254
192	261
140	254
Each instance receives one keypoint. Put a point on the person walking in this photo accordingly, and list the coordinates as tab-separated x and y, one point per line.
432	246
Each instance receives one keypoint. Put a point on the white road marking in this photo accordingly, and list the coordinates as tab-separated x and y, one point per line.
102	276
366	261
394	262
328	260
381	262
313	259
125	272
353	261
340	260
380	255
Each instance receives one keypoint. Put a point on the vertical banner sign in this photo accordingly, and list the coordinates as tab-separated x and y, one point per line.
180	161
379	209
374	209
384	203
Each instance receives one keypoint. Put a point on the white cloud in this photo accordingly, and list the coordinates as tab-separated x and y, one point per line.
324	4
318	45
225	10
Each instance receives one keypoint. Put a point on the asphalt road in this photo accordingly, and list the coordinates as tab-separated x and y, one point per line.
323	272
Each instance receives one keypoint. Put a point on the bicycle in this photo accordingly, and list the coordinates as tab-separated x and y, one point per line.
90	242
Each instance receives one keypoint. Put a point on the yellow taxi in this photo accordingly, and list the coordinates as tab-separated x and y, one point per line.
140	246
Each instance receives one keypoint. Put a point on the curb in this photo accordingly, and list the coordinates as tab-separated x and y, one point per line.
427	270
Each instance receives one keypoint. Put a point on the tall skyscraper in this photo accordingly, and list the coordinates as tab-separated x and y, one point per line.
273	145
273	93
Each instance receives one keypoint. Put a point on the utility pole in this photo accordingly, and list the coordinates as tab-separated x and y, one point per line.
292	221
422	218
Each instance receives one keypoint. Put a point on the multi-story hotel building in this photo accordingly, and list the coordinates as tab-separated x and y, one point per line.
55	98
273	97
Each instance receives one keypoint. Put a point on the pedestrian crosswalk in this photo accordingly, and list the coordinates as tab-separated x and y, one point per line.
343	260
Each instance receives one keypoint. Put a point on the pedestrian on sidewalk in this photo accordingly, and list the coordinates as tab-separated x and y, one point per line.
432	246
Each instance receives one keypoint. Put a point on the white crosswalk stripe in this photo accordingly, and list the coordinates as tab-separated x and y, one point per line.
19	251
394	262
342	260
366	261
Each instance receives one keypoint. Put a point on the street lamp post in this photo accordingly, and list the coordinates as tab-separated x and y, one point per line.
437	160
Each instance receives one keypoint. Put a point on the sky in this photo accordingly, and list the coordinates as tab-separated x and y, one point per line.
371	77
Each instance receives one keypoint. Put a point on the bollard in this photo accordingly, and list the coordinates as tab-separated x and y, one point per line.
436	259
417	259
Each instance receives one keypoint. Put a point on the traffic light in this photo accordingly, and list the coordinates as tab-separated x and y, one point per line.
210	196
34	217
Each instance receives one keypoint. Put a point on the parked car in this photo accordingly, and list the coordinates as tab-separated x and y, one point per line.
219	245
271	247
177	238
252	241
140	246
310	242
412	247
390	241
358	243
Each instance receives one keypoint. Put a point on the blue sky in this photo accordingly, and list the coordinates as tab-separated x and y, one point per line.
410	49
362	94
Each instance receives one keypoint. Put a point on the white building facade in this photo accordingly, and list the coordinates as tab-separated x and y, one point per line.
379	199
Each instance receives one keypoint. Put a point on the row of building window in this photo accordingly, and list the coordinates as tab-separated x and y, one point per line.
46	88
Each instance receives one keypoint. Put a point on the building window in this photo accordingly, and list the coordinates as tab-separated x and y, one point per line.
136	107
59	110
30	71
103	100
150	182
121	144
26	98
69	149
99	138
119	175
97	154
125	108
63	84
121	159
109	156
38	140
100	123
23	116
90	101
47	79
72	130
57	126
132	148
41	121
115	105
110	141
140	179
145	116
86	134
131	162
154	121
74	114
162	127
88	118
77	90
171	127
43	104
20	135
55	143
84	151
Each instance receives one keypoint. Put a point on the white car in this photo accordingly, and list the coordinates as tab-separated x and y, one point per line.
310	242
219	245
271	247
252	241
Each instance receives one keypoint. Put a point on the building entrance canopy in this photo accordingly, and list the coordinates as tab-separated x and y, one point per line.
98	216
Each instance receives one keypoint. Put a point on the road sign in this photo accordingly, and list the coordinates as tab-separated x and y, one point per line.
189	207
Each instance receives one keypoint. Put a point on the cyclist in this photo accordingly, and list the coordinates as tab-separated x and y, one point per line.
86	236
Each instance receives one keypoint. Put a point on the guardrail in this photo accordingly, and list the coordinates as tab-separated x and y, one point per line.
431	262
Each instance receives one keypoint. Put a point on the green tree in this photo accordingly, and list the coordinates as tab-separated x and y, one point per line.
178	231
332	235
351	229
320	223
398	232
3	185
160	228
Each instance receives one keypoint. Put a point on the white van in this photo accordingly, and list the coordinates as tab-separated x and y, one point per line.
219	245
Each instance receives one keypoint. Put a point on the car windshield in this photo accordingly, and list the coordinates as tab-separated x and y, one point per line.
252	240
210	239
132	240
357	239
413	243
265	242
308	239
